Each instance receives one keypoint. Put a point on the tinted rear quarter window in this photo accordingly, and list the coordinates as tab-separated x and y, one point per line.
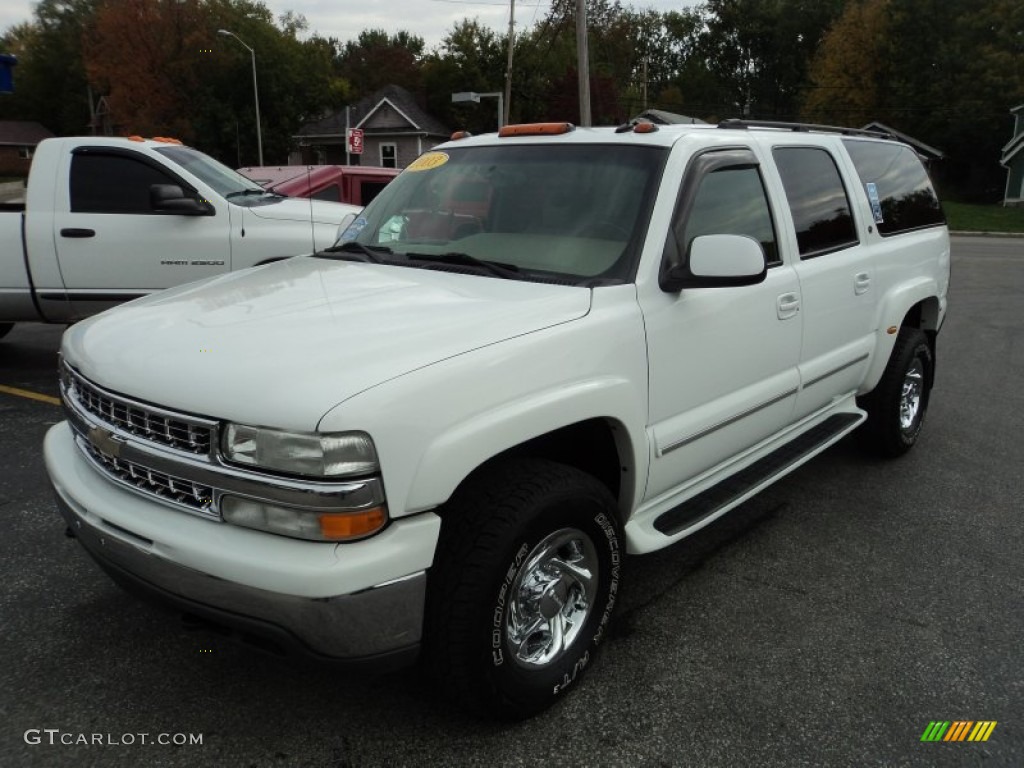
817	200
906	198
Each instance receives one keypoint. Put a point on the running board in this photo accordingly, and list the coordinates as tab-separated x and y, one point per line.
775	464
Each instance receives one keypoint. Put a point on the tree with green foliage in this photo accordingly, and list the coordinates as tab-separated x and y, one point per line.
946	72
471	57
51	83
376	59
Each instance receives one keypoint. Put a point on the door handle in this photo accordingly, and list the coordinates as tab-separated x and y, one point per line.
861	283
73	232
787	305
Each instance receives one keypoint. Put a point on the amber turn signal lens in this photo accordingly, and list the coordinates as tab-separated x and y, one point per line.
352	525
536	129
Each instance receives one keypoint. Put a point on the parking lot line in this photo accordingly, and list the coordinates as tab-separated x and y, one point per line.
29	395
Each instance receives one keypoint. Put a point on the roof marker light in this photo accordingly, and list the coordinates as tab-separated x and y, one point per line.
536	129
460	135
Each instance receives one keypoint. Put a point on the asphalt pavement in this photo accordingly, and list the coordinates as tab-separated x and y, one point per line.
826	622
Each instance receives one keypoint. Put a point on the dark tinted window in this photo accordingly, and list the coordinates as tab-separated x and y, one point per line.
369	190
113	184
817	200
901	194
331	193
731	201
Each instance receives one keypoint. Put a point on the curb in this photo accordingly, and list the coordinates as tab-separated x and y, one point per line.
961	233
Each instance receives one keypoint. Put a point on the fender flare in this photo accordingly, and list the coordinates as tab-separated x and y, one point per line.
892	312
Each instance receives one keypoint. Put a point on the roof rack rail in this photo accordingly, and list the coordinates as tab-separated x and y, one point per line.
738	124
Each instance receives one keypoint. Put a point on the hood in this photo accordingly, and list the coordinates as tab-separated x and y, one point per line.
302	209
281	345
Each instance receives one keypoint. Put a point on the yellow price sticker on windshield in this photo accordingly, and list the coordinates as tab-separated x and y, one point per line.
428	162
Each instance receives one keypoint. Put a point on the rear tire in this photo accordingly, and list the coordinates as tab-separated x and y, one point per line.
523	585
897	406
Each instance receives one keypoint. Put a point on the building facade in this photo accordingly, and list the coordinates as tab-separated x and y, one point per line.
1013	160
395	132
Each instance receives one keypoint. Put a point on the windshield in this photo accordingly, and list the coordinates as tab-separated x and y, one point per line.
575	212
216	175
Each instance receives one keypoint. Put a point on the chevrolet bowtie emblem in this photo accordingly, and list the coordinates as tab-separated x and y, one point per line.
105	442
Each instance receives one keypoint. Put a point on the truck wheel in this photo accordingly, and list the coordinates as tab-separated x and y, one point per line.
524	580
896	407
5	328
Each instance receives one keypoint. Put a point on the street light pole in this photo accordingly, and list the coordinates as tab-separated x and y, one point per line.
255	90
464	96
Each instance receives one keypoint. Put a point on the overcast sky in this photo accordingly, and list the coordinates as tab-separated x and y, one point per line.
430	19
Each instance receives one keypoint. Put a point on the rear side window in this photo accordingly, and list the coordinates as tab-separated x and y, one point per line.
113	183
331	192
895	181
369	190
817	200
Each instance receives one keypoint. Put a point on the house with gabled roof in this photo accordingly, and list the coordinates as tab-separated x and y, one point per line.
18	140
396	130
1012	160
928	153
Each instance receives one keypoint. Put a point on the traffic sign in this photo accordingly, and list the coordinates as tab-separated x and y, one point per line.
355	141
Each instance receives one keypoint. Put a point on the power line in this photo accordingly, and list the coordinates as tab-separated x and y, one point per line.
484	2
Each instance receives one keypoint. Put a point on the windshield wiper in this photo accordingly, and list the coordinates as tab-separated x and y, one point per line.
499	269
247	192
352	250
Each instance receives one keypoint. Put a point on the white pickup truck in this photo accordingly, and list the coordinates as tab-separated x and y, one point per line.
444	434
106	220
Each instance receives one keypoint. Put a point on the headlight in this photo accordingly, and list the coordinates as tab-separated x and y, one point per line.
336	454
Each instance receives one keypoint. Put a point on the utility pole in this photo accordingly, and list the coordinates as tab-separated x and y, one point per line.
508	69
645	84
583	61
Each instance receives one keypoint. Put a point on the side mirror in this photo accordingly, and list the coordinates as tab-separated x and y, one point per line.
717	261
169	198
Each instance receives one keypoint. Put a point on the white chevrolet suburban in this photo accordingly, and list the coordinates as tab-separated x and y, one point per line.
533	353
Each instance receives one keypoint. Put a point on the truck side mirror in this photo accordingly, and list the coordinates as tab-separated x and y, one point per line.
717	261
170	198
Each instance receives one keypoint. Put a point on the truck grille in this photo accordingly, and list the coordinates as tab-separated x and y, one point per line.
169	430
193	495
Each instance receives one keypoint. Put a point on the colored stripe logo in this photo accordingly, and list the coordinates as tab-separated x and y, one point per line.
958	730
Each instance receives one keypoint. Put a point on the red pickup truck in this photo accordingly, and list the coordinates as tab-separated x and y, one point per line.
353	184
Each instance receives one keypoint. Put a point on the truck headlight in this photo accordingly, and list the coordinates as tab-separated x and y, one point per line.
337	454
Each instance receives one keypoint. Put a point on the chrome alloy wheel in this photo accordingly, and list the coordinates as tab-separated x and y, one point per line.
551	598
910	397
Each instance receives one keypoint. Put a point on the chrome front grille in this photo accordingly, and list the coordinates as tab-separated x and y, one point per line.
196	496
147	423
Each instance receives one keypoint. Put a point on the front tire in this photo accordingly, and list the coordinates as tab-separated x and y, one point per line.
897	406
523	585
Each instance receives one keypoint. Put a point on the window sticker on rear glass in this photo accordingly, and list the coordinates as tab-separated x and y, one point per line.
428	162
876	204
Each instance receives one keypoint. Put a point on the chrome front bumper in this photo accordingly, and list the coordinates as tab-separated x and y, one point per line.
379	624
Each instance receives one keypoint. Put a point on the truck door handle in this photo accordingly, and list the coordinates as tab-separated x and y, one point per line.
72	232
787	305
861	283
